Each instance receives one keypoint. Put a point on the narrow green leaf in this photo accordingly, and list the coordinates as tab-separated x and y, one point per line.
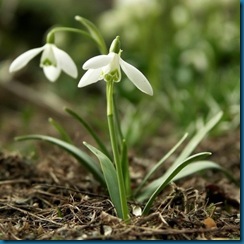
190	147
150	188
110	176
125	168
117	121
81	156
62	132
94	32
169	176
90	130
202	165
159	164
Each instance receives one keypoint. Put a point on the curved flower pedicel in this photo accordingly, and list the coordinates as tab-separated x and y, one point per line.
53	61
107	67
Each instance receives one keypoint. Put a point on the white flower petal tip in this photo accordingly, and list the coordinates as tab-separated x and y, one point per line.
137	78
53	61
52	73
21	61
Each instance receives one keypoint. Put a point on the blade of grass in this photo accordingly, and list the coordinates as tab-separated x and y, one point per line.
62	132
125	168
202	165
170	174
198	138
110	176
159	164
90	130
81	156
192	144
94	32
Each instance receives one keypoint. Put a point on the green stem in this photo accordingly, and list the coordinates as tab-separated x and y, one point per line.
122	149
114	144
50	35
117	122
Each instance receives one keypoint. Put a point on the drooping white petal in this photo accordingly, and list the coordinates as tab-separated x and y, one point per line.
91	76
138	79
24	59
51	72
65	62
97	62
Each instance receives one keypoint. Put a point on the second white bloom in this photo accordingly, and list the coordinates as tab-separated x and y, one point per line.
53	61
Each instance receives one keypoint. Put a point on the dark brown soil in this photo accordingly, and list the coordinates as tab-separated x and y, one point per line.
54	198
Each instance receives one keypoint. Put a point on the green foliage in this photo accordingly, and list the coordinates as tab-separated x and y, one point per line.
110	176
185	153
159	164
81	156
90	130
94	32
170	174
64	136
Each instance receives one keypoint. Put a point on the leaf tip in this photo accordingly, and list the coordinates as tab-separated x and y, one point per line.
16	138
221	113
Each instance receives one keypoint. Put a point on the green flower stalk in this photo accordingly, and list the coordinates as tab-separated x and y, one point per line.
107	67
115	149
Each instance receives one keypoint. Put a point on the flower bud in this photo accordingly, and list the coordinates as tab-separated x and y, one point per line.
115	46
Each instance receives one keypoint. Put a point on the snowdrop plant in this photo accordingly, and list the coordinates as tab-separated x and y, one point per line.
113	170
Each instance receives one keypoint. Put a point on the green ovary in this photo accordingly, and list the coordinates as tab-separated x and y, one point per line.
48	62
112	76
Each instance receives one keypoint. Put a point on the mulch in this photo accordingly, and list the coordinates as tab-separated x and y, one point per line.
54	198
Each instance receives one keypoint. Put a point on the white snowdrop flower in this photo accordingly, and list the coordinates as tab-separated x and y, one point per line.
53	61
107	67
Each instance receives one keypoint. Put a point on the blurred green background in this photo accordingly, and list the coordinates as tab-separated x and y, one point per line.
188	49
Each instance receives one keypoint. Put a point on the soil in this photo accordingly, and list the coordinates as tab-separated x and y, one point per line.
52	197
